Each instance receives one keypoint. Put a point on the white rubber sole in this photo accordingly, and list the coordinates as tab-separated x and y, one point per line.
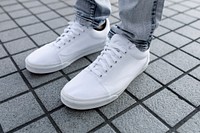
50	69
85	105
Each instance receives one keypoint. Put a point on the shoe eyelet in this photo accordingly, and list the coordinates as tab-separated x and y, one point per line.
120	57
74	37
115	62
69	41
110	66
125	52
100	76
106	71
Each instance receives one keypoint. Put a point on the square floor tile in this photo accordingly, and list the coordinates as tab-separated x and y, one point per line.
188	88
168	12
196	73
123	102
76	65
182	60
32	4
175	39
105	129
163	71
184	18
14	7
2	52
44	38
191	126
171	24
178	7
169	107
27	20
189	32
6	66
66	11
4	17
11	34
55	23
41	126
11	85
193	49
189	4
193	13
73	121
57	5
50	94
18	111
20	13
7	25
143	85
20	58
93	56
196	24
39	9
35	28
48	15
19	45
160	48
37	79
139	120
160	31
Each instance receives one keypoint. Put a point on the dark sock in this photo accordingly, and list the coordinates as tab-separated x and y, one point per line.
101	27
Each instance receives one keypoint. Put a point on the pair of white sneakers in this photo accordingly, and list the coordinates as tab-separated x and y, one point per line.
102	81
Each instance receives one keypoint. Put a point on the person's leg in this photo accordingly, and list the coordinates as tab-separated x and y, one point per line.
139	18
86	35
92	12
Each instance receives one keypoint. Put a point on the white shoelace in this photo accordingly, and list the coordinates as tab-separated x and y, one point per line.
71	32
108	57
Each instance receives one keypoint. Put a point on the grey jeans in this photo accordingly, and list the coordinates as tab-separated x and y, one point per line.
139	18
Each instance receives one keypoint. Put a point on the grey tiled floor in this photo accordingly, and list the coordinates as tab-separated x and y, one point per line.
165	98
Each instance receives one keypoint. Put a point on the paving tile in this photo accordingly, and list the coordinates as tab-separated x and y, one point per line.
60	30
36	79
7	2
7	25
19	45
27	20
50	93
6	67
13	7
4	17
184	18
57	5
191	126
74	121
40	126
175	39
152	57
32	4
11	85
171	24
76	65
160	31
49	1
196	24
2	52
113	20
160	48
20	58
39	9
178	7
189	32
123	102
66	11
193	49
11	34
44	38
167	12
189	4
169	107
35	28
20	13
189	88
182	60
139	120
72	75
193	13
55	23
142	86
196	73
18	111
105	129
48	15
163	71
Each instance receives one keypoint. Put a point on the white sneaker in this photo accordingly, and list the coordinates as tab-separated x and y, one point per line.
107	77
76	41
